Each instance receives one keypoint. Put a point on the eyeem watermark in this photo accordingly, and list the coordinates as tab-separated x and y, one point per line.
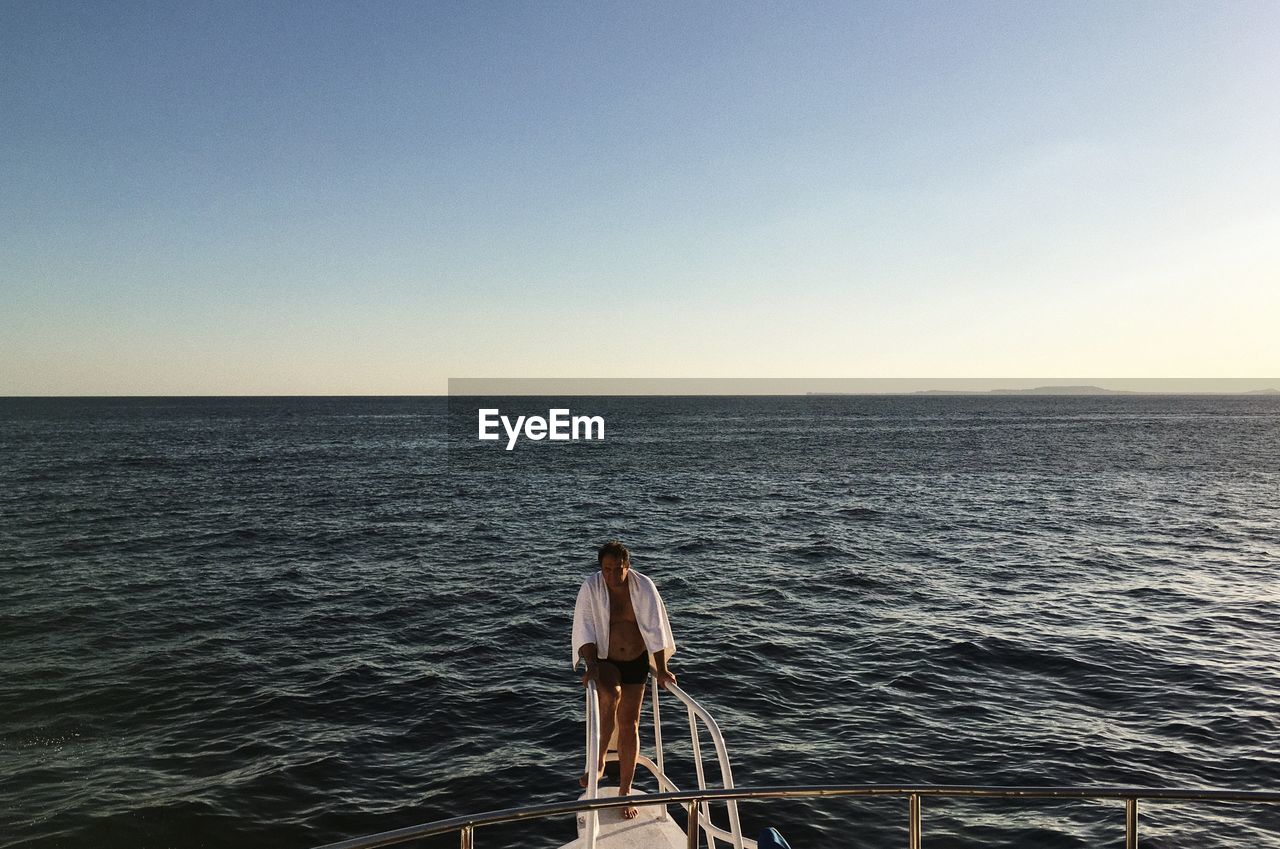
558	426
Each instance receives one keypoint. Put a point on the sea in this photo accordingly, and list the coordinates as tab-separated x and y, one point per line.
288	621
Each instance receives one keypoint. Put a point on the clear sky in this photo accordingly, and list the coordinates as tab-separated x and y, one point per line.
369	198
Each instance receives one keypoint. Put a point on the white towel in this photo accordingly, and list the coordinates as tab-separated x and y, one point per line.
591	615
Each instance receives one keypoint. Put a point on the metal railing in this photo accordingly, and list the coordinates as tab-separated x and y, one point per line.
696	802
465	826
593	759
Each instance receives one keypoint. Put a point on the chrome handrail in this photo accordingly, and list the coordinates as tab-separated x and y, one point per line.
467	824
697	711
593	760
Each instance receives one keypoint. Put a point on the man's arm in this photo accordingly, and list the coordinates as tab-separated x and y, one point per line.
661	674
588	654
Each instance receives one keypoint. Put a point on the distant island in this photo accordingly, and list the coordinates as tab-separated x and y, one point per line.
1054	390
1039	390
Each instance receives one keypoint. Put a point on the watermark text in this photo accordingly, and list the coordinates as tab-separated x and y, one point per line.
558	426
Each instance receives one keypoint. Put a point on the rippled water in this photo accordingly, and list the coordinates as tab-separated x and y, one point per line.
234	622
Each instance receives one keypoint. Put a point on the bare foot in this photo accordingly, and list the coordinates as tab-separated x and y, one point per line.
628	812
582	779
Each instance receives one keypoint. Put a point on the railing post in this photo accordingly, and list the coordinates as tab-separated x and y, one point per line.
697	762
913	826
697	749
1131	823
691	833
593	761
657	729
468	837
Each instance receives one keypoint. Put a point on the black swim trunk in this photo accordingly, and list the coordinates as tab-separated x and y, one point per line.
635	671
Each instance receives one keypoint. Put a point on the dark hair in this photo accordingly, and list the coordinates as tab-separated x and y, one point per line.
615	548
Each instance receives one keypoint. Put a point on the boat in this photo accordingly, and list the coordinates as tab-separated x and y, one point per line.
597	811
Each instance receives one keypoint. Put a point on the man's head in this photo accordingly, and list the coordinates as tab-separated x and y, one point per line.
615	563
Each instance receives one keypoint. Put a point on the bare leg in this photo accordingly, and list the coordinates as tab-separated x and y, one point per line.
628	740
607	689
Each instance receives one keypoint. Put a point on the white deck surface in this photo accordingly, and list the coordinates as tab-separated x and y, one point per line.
652	829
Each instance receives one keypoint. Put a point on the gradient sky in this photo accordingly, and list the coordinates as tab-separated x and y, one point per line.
298	198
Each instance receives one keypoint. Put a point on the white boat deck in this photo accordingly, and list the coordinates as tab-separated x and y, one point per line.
653	828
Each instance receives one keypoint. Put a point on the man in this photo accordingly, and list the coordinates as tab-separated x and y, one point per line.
618	621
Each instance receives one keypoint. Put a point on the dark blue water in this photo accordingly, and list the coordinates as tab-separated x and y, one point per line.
231	622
